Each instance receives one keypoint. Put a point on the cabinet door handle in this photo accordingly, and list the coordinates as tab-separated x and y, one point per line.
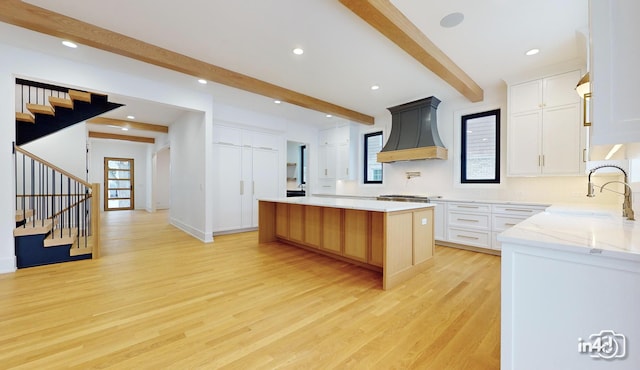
584	155
325	172
472	207
468	237
241	187
225	143
467	219
517	210
253	188
539	160
543	160
509	224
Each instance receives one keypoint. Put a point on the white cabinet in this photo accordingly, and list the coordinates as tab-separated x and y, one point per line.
469	224
614	74
505	216
478	224
337	153
247	168
544	133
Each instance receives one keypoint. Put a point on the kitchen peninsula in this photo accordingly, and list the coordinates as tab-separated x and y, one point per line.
395	238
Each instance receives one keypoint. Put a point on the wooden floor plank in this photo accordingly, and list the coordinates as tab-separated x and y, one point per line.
158	298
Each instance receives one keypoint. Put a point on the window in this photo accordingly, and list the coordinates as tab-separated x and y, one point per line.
303	166
480	160
372	169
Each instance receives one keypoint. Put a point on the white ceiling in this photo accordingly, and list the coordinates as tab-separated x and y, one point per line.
343	56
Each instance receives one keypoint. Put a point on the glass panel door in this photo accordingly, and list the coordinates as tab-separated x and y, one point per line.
118	184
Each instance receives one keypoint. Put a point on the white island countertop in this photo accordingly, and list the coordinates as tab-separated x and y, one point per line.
579	231
350	203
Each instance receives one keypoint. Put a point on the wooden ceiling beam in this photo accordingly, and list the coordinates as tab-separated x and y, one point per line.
41	20
104	135
388	20
135	125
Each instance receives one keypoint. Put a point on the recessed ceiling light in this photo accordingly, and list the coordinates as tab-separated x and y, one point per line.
69	44
328	116
375	87
202	81
125	129
451	20
277	101
298	51
131	117
532	52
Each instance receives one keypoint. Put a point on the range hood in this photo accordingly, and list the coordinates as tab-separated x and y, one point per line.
414	133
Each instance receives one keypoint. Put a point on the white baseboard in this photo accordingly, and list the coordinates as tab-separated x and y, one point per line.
198	234
7	265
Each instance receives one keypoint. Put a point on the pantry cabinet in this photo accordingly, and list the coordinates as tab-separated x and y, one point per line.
246	168
544	131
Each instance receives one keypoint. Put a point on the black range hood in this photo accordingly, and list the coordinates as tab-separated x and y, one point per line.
414	132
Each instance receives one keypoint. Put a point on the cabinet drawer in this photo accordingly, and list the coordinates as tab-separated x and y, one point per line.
470	207
503	222
517	210
468	237
469	220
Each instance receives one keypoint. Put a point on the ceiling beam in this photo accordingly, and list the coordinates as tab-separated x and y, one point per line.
41	20
104	135
390	21
135	125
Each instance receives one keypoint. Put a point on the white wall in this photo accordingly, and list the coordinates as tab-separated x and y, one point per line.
162	182
20	62
99	149
65	149
188	181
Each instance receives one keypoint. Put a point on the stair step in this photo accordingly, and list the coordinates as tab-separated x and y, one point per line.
25	117
22	214
61	237
41	109
80	96
60	102
29	229
78	251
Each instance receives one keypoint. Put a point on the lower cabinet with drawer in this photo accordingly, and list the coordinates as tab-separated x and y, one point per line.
478	224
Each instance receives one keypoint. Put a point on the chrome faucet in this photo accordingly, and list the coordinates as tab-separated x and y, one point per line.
627	209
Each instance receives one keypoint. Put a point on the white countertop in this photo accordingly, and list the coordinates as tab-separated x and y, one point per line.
600	232
350	203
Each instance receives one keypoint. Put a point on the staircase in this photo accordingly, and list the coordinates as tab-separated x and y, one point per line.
42	109
57	213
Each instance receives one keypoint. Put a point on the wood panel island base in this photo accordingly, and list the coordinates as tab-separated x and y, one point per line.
395	238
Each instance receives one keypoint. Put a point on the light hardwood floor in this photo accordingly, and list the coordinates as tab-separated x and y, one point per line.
159	298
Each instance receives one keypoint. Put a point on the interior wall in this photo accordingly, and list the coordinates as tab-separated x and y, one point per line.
188	181
65	149
101	148
163	179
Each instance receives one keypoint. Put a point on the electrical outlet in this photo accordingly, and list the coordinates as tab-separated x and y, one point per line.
424	221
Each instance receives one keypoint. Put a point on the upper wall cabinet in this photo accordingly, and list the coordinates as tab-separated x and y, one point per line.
544	131
337	153
615	71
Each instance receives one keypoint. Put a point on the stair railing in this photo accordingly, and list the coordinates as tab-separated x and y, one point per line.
47	194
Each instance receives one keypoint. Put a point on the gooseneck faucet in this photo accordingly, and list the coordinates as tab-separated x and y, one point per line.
627	209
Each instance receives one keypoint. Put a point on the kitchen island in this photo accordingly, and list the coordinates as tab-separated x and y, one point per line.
395	238
570	277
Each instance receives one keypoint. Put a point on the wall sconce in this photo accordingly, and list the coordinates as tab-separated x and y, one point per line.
584	85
